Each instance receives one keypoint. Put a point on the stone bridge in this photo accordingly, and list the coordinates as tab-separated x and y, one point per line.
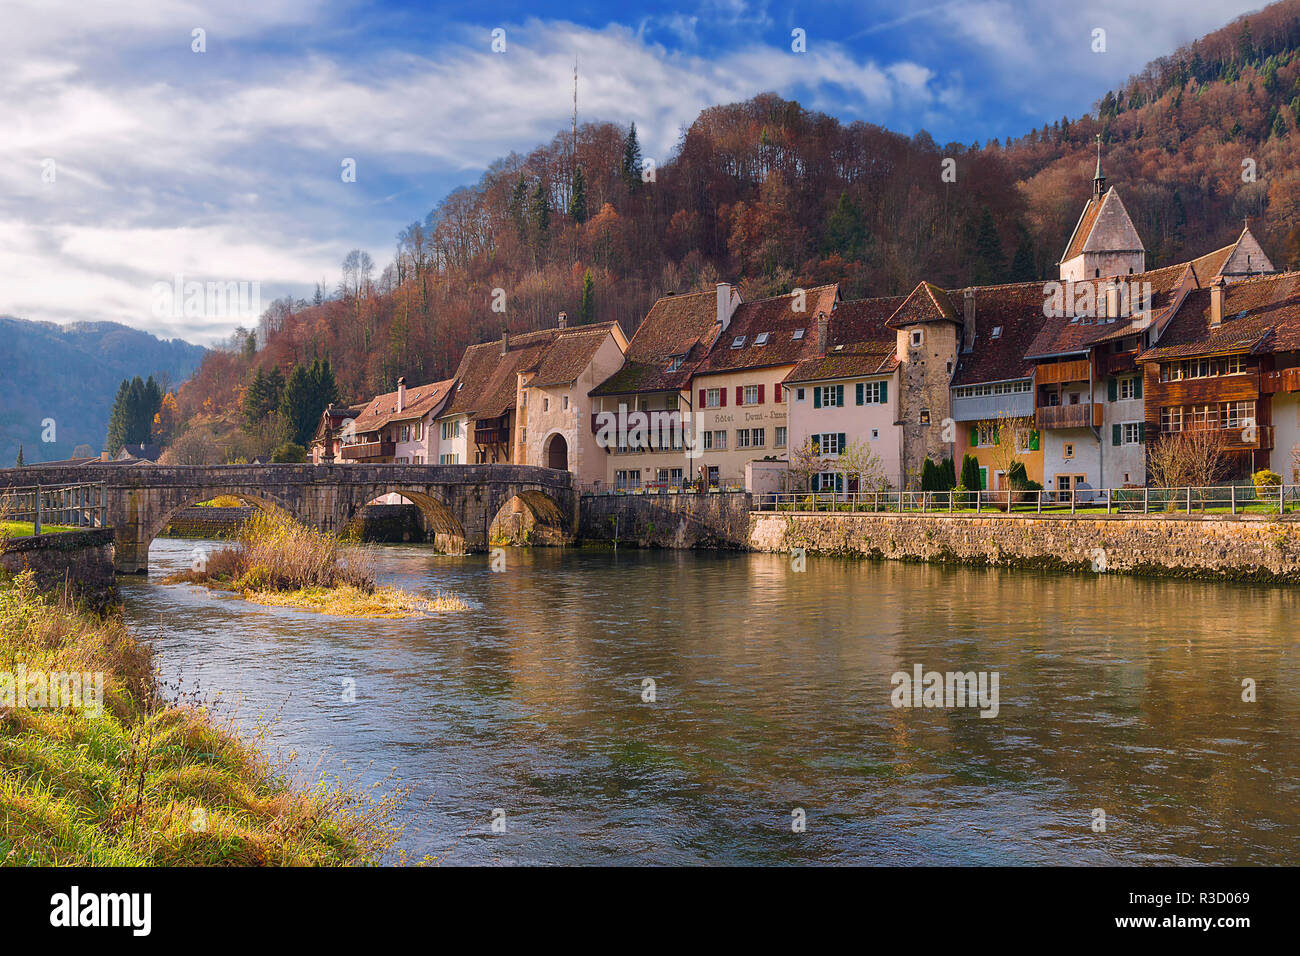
459	503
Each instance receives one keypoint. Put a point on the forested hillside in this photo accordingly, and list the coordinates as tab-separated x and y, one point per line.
772	195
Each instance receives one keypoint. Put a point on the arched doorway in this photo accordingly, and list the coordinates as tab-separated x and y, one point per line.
557	453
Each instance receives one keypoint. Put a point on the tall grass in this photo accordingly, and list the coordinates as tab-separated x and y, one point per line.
144	781
274	553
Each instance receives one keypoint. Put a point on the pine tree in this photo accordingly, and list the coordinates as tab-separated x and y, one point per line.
631	169
578	196
587	304
117	421
1022	263
19	463
517	208
970	473
297	404
846	233
539	213
990	265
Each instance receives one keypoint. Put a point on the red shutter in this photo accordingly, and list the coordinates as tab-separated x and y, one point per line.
760	394
776	394
722	397
740	395
701	398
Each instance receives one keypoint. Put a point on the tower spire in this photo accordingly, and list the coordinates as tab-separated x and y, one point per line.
1099	180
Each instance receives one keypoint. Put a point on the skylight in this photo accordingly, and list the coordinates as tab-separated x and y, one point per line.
738	342
761	339
997	331
798	334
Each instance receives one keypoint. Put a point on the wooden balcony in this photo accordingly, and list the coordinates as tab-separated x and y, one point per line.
1083	415
1259	438
1285	380
1053	373
363	451
1119	363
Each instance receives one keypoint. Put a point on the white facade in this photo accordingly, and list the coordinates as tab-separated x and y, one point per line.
815	411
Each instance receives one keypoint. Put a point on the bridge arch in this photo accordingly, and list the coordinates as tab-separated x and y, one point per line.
530	516
441	526
153	524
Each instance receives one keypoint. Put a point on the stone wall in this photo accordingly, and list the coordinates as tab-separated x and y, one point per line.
1245	547
207	522
83	559
718	520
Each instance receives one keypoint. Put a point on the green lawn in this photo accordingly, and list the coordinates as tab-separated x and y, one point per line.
22	529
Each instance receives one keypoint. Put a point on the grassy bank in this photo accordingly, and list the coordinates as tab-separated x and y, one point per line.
142	781
276	561
23	529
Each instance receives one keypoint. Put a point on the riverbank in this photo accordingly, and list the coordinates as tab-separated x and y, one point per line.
1249	547
100	770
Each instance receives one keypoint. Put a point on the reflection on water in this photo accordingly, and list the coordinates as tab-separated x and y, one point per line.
773	693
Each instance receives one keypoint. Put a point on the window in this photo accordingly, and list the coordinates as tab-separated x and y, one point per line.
627	480
405	434
566	402
523	436
780	436
875	434
1203	368
675	362
714	475
1067	451
450	430
675	477
997	388
720	440
712	397
872	393
546	404
449	459
925	416
742	437
798	334
750	395
1171	418
798	394
997	332
738	342
758	437
1130	433
828	396
827	481
761	339
829	443
918	338
1127	389
419	431
984	435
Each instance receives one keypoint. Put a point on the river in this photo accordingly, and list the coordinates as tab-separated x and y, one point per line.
772	695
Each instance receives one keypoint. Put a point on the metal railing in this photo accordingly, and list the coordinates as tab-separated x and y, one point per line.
78	506
1216	499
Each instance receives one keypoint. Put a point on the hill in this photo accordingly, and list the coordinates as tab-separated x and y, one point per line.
70	373
772	195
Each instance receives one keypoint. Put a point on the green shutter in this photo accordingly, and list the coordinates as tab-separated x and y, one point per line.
984	479
1112	389
1033	440
817	398
860	388
816	444
884	392
842	443
1137	387
839	395
974	437
996	440
1142	430
1114	434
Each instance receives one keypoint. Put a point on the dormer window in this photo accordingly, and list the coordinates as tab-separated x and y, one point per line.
761	339
738	342
798	334
838	348
675	362
997	331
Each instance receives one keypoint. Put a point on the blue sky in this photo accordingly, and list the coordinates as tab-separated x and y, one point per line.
225	165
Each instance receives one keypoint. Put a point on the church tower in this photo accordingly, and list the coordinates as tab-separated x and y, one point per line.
1105	242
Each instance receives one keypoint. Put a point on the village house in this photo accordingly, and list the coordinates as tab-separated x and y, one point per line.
740	413
642	412
554	402
847	393
397	427
326	443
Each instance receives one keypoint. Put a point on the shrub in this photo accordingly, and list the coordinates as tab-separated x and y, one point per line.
947	475
1264	480
289	453
970	473
929	476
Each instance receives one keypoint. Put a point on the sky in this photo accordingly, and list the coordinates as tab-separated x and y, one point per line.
135	163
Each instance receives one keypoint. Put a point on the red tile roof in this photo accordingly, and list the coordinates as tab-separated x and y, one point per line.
569	354
1260	315
1015	313
927	303
420	401
775	316
676	326
860	342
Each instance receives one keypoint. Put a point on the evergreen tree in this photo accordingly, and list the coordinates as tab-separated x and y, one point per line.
578	196
539	213
306	394
587	305
19	463
948	475
970	472
846	233
517	208
990	265
631	169
117	421
1022	263
929	477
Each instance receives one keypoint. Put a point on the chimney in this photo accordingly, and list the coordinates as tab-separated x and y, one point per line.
968	320
725	306
563	321
505	341
1112	300
823	331
103	456
401	394
1216	302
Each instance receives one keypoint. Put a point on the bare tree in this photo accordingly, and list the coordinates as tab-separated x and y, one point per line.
195	447
1193	457
857	460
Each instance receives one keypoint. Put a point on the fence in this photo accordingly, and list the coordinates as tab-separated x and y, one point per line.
1224	499
77	506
